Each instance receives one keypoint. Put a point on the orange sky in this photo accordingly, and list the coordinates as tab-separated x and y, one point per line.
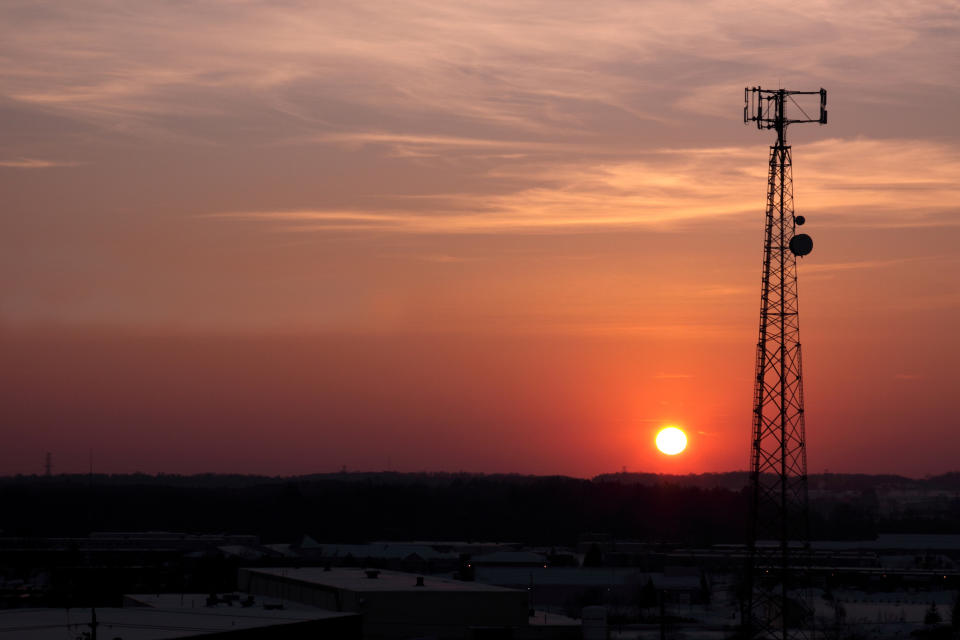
515	236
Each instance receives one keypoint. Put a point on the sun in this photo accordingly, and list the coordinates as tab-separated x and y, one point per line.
671	440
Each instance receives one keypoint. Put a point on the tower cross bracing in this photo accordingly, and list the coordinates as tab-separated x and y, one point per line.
778	541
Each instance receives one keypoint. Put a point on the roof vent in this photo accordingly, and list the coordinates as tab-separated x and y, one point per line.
372	574
420	581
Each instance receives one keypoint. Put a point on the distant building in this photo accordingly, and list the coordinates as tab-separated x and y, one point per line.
403	556
174	622
394	604
166	539
510	559
561	586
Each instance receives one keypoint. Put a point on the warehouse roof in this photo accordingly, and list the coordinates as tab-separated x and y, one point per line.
145	623
351	579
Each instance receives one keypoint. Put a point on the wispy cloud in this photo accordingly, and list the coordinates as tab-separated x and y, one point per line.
888	182
425	146
665	188
35	163
856	265
558	68
725	290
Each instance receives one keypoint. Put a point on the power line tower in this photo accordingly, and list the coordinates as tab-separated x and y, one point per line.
777	606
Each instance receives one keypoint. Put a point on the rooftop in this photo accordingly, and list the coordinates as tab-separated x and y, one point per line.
144	623
583	576
227	603
912	541
511	557
358	580
396	550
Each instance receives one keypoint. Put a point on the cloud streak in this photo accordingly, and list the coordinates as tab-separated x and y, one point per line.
560	68
894	183
35	163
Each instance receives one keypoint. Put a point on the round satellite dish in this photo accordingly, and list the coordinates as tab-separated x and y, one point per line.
800	220
801	244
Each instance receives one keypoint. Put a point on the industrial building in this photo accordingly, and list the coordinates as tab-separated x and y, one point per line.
394	604
180	617
552	587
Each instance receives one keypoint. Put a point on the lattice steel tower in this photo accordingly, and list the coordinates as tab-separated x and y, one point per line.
777	606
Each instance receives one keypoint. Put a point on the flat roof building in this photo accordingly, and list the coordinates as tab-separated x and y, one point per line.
395	604
178	623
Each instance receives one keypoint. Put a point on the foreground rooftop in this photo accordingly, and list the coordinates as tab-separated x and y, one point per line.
352	579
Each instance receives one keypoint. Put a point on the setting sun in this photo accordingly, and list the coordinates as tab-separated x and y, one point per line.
671	441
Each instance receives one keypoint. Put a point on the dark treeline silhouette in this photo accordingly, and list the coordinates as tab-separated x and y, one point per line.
545	510
832	482
696	510
732	480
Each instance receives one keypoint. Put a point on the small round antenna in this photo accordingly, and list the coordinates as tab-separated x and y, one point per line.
800	220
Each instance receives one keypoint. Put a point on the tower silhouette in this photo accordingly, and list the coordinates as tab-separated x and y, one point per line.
778	541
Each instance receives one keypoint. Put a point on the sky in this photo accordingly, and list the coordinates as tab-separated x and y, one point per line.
296	237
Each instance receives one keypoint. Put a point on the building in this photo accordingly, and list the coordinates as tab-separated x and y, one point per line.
402	556
572	587
394	604
510	559
172	621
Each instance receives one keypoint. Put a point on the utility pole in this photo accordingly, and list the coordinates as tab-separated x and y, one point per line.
778	540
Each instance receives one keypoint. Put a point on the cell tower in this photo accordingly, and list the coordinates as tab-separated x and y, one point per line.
778	543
